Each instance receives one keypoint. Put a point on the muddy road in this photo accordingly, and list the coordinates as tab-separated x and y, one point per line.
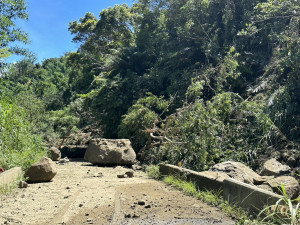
84	194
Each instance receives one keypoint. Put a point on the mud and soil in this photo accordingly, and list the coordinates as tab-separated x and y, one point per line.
85	194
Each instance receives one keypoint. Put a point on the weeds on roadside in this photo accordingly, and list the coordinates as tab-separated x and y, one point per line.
6	189
285	211
18	145
153	171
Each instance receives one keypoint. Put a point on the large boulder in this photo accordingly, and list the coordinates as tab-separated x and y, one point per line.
236	170
55	154
42	171
274	168
110	152
290	184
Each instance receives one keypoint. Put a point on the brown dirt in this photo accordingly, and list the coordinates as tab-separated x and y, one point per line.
84	194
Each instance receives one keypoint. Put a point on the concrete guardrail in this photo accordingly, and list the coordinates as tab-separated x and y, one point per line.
249	197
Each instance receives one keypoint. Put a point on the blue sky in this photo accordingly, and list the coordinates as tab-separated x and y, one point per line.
48	24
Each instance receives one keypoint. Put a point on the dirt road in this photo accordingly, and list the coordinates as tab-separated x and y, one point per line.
84	194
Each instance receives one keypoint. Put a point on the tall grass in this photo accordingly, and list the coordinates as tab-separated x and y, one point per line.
18	146
285	211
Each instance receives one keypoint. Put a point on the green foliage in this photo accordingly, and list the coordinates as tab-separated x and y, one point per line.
153	171
10	10
204	133
141	116
64	120
18	146
210	55
285	211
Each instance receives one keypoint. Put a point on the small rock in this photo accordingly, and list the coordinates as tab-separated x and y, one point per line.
147	206
291	161
141	202
136	167
129	174
89	220
63	161
80	205
127	215
122	176
23	184
261	179
136	216
55	154
68	188
274	168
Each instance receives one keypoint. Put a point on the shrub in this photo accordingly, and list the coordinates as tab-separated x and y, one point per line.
18	146
204	133
141	116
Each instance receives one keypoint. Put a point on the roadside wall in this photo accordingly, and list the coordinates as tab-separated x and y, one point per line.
249	197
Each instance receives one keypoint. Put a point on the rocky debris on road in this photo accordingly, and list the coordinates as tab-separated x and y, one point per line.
290	184
55	154
237	171
142	202
63	161
128	174
42	171
23	184
274	168
122	176
110	152
136	167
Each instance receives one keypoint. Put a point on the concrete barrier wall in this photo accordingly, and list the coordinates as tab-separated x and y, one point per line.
201	180
10	176
249	197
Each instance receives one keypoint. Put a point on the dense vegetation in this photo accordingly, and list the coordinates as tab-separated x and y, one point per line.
191	81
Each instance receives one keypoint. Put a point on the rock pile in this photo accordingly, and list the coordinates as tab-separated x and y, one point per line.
271	177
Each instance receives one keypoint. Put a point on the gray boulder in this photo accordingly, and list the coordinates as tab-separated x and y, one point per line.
274	168
55	154
110	152
290	184
237	171
42	171
218	176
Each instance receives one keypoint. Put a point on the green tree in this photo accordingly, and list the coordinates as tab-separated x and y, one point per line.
10	10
